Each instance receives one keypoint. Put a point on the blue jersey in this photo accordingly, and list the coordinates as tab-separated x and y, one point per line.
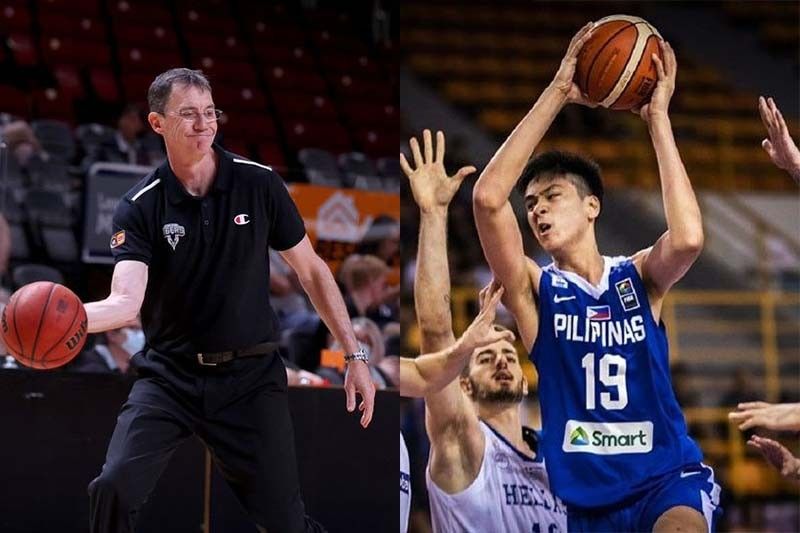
612	425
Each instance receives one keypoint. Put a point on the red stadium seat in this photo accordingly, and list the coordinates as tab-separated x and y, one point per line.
196	20
248	126
286	78
237	146
69	81
105	85
89	8
138	60
273	32
270	55
272	155
302	105
317	134
142	12
360	66
53	104
239	98
23	49
14	101
65	51
145	36
351	87
81	28
14	17
378	143
221	46
221	70
135	85
360	113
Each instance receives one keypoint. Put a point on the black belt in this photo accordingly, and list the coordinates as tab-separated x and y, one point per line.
215	358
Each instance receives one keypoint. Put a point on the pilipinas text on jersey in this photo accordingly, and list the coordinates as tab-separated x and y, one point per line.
611	423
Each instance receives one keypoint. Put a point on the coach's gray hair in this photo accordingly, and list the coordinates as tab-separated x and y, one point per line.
160	89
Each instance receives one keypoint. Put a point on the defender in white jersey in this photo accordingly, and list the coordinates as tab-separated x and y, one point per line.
483	474
405	485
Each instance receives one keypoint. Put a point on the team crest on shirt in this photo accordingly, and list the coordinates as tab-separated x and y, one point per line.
173	233
627	294
118	239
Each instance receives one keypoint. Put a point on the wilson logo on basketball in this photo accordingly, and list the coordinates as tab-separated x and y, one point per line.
241	219
62	306
73	341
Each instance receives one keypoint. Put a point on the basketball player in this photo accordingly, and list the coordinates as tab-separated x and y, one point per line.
190	248
429	373
485	472
614	439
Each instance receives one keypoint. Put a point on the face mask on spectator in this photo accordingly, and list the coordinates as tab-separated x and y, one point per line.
134	340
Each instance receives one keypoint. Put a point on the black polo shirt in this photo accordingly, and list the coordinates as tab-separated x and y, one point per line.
208	257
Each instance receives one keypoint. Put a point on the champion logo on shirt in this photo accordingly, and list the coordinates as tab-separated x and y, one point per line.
241	219
598	312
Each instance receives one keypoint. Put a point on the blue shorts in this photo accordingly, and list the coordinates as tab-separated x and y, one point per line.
692	486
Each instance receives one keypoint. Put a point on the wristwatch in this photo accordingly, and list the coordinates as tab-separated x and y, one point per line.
360	355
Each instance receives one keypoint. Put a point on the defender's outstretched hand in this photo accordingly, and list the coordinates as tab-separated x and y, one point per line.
430	184
779	145
563	80
482	331
777	417
667	71
778	456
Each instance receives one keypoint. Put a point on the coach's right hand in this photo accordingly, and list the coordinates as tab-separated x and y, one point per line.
432	187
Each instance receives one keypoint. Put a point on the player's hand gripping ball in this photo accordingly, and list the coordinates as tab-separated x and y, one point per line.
615	67
44	325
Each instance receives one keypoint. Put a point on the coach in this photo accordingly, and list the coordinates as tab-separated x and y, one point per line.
191	251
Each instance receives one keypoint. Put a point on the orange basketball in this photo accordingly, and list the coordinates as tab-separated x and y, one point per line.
44	325
615	67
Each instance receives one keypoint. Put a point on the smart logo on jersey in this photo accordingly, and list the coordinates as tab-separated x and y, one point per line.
608	438
598	312
627	294
579	437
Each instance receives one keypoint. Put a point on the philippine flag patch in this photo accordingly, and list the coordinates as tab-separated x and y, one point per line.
598	312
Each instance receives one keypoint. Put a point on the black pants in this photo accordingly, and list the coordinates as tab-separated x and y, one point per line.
238	409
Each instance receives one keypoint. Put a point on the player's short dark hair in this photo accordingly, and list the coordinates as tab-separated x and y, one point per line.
555	163
160	89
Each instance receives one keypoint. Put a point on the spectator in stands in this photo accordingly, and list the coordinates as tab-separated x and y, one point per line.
366	291
22	142
111	352
384	370
382	240
287	295
131	143
779	145
776	417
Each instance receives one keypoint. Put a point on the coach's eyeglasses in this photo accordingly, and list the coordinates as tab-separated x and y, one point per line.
191	115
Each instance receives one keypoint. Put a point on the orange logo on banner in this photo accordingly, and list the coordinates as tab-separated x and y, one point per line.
337	219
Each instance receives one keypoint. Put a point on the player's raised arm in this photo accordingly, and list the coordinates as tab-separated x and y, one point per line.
675	251
429	373
128	285
779	145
